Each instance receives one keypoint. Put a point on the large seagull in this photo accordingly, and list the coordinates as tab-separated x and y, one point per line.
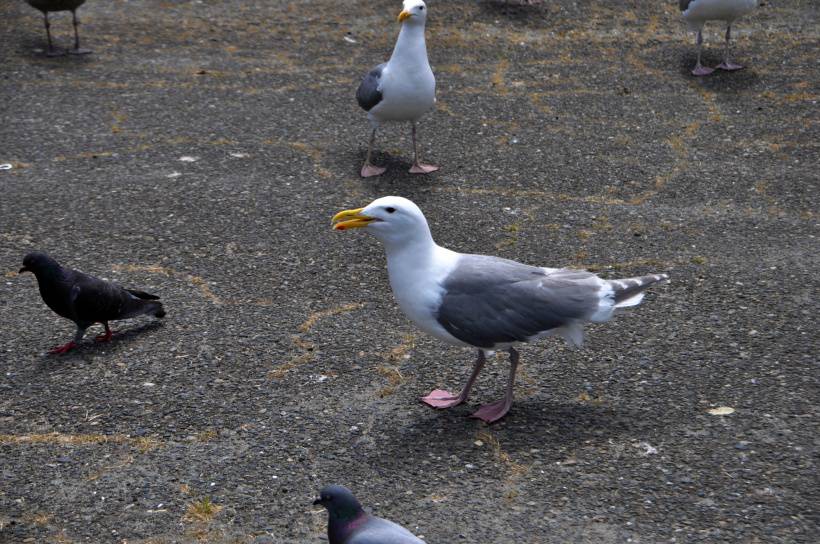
481	301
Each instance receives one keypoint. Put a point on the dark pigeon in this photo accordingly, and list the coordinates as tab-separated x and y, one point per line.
348	523
47	6
86	300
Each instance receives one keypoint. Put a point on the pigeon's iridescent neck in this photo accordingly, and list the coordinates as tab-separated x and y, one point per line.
338	530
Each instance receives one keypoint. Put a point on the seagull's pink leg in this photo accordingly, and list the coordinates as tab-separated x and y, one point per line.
438	398
419	168
368	169
498	409
699	69
727	64
105	337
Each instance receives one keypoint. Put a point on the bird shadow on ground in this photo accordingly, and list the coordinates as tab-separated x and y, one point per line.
554	427
121	338
34	50
719	81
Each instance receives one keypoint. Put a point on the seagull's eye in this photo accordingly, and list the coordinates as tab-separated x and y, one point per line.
390	210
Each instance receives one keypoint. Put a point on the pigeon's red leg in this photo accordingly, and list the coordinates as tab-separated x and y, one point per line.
106	336
65	348
77	49
498	409
438	398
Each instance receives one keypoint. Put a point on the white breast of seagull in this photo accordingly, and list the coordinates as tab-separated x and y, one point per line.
717	10
416	276
407	84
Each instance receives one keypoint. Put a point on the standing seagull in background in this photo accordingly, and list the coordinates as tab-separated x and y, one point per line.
401	89
484	302
60	5
348	523
697	12
86	300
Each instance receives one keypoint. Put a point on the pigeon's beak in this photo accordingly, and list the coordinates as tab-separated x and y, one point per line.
404	15
351	219
317	502
24	269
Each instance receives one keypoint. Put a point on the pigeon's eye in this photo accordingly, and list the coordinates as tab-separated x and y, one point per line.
390	210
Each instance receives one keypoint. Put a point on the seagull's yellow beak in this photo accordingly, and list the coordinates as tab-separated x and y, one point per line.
351	219
404	15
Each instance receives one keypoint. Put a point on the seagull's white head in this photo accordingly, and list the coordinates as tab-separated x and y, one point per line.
414	12
394	220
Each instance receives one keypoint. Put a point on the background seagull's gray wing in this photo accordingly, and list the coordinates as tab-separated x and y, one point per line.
368	93
489	301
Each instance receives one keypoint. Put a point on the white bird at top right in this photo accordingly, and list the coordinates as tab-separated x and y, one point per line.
697	12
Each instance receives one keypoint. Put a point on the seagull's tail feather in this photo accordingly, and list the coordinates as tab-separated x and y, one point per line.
630	291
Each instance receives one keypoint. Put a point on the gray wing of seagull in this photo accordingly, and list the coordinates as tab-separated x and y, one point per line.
368	94
489	300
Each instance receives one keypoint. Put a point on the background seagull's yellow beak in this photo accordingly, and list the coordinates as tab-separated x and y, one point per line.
404	15
350	219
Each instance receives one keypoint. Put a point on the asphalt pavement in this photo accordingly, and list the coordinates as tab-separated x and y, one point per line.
199	152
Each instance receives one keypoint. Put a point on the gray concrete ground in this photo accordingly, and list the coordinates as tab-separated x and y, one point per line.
570	133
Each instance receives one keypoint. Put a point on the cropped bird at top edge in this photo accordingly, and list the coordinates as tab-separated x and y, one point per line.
401	89
86	300
484	302
697	12
47	6
348	523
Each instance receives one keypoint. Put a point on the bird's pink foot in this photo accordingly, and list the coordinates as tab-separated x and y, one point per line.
368	171
80	51
729	66
493	411
439	398
419	168
702	70
65	348
104	337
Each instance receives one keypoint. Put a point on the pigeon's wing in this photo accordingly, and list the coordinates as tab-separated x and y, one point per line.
142	294
369	93
488	301
381	531
98	300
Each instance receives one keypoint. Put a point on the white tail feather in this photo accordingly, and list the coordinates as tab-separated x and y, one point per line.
631	301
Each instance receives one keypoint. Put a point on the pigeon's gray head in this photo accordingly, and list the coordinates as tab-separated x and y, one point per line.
39	262
414	12
340	503
394	220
